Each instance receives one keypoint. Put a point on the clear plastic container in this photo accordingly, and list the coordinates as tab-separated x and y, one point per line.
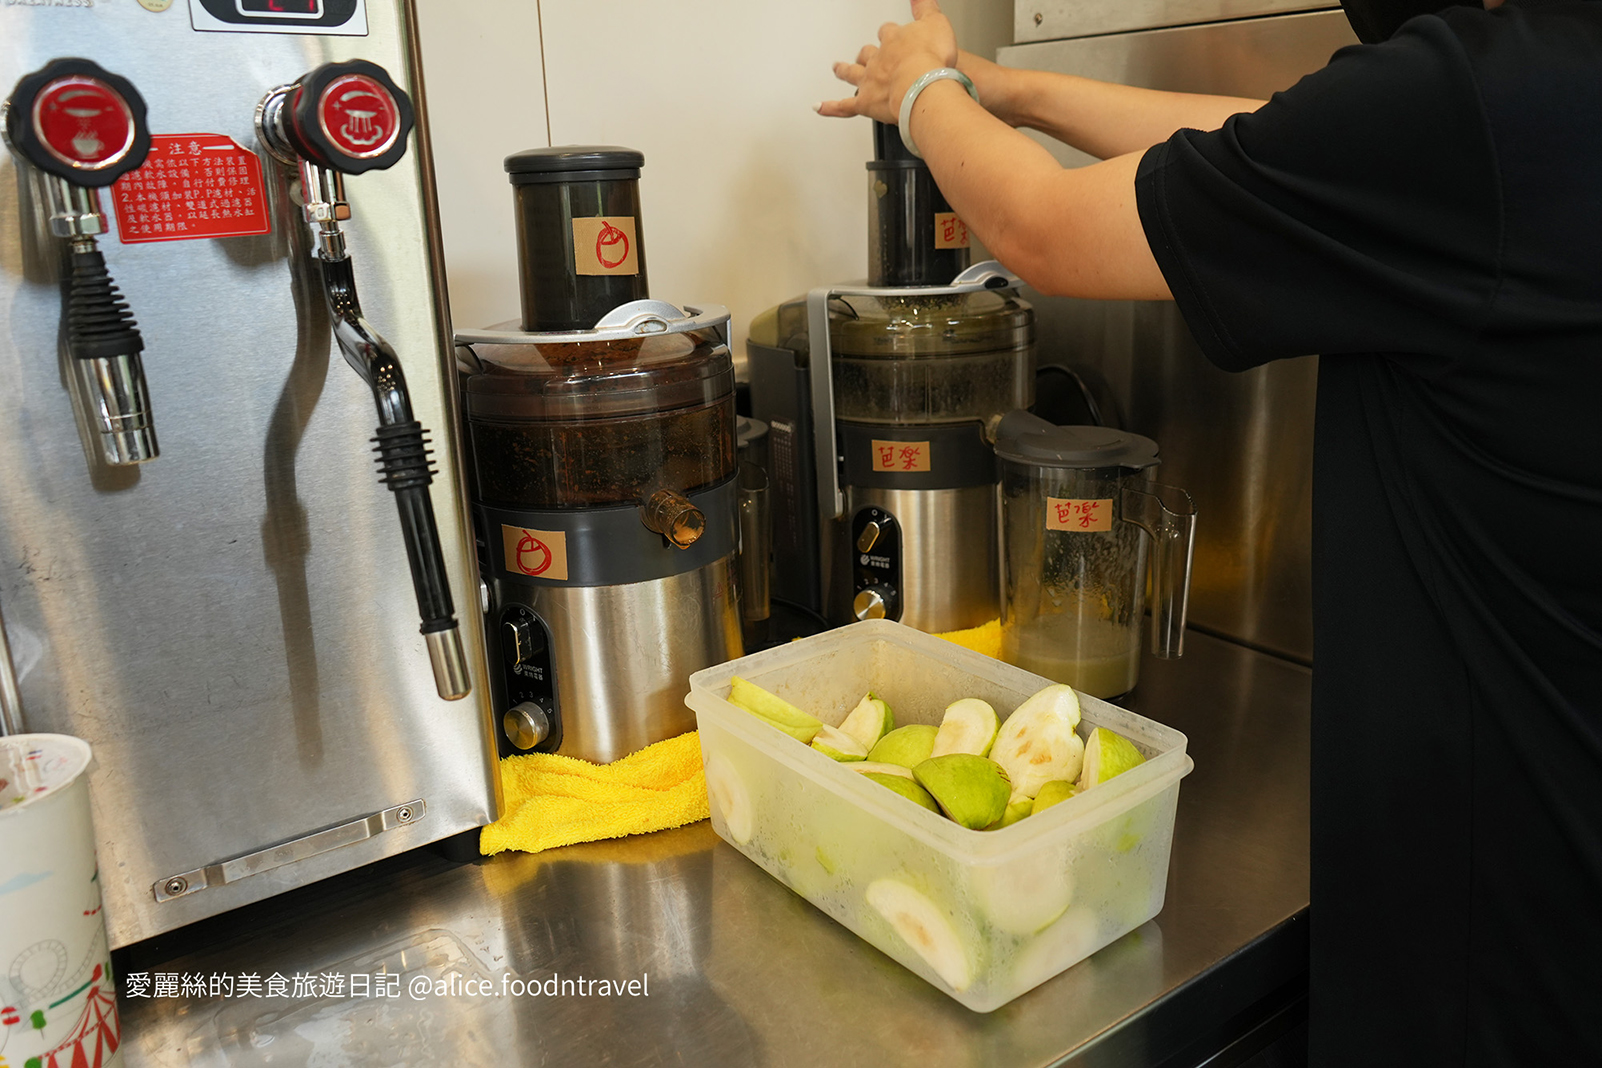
992	913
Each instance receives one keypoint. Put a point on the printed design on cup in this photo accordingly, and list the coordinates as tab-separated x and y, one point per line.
950	231
535	553
605	245
42	980
900	456
1070	514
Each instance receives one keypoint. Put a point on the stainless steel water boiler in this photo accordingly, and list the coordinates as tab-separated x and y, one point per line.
605	493
882	399
201	572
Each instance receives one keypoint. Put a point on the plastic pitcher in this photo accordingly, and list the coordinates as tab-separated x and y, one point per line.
1082	528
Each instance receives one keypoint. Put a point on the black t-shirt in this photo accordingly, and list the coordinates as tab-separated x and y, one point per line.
1426	214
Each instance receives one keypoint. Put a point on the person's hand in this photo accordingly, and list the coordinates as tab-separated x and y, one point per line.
884	73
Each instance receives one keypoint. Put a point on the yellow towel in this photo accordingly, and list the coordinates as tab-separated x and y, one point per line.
985	639
554	800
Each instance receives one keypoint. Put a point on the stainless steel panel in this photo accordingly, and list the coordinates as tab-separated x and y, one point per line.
622	655
1050	20
744	973
232	626
1241	444
1252	58
950	577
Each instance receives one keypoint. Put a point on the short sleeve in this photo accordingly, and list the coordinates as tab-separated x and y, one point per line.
1356	212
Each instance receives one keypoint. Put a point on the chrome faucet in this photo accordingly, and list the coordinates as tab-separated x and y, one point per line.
348	118
83	128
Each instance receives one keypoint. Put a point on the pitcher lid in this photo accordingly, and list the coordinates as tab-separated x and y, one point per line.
1028	439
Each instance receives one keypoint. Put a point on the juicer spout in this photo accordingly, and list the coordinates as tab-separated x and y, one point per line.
1168	516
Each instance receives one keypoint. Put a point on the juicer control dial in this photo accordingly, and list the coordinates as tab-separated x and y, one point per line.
349	117
526	725
78	121
875	602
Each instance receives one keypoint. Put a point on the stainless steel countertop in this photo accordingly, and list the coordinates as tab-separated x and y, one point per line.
740	971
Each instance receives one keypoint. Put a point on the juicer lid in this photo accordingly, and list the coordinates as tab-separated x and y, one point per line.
884	325
574	163
603	379
1028	439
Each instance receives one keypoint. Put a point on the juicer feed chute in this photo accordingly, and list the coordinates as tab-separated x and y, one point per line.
603	456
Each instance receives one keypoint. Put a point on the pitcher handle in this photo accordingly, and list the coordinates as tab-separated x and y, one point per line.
1168	516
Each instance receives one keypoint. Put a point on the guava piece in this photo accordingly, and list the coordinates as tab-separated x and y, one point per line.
1016	810
1107	754
907	788
1064	943
773	709
923	927
1025	893
1054	792
870	721
876	767
729	797
836	744
972	790
969	727
1059	700
908	746
1037	743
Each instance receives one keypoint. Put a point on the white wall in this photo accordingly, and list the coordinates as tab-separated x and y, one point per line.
748	197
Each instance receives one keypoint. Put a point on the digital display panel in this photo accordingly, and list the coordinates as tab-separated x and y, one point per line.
345	18
304	9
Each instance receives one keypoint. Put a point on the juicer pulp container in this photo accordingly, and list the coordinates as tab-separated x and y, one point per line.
982	915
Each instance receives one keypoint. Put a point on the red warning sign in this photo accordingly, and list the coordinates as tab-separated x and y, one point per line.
192	186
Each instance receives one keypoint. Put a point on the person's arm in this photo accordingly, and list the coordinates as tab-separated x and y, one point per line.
1103	119
1067	232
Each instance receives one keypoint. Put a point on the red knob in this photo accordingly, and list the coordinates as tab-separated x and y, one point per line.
350	117
74	119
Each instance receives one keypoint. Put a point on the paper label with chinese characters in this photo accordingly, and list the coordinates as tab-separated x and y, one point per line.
192	186
536	553
900	455
1069	514
950	231
605	246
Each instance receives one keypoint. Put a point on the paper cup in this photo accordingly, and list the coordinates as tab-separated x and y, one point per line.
58	1000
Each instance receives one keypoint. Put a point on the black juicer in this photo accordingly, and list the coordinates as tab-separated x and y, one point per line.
601	438
882	401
